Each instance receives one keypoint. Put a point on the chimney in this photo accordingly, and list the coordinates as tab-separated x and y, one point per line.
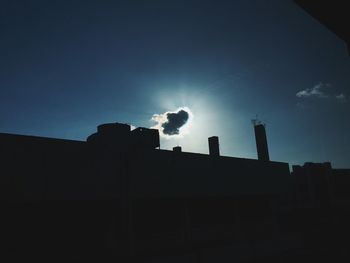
177	149
261	142
214	146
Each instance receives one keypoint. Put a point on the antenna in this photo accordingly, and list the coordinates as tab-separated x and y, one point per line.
256	121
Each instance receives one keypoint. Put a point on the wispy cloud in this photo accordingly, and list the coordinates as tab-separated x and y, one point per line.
341	97
321	90
316	91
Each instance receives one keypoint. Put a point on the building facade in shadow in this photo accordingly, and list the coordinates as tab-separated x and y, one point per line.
118	197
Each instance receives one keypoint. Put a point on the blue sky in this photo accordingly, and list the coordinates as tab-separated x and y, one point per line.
67	66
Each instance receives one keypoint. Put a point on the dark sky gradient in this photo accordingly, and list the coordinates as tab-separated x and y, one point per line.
67	66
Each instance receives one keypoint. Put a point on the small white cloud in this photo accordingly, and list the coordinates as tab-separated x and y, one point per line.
341	97
316	91
319	91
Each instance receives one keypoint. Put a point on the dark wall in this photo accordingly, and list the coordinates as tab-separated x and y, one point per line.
166	173
76	200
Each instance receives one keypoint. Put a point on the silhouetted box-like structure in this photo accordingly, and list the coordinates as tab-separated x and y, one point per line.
177	149
214	146
145	138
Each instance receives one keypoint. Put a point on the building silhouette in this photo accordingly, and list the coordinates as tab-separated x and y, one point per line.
118	197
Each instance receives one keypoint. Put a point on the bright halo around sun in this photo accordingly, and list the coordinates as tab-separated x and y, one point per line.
173	124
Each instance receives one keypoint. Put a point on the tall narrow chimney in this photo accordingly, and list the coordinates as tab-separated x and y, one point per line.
214	146
261	142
